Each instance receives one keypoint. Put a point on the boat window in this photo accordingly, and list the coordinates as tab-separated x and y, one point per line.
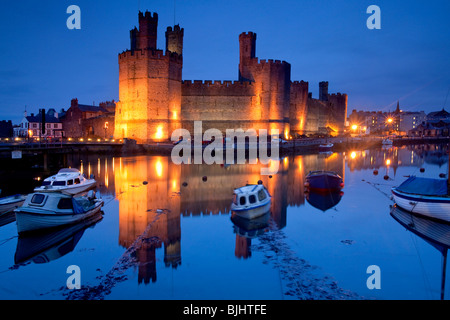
46	183
65	203
261	195
70	182
59	183
252	198
37	198
77	180
242	200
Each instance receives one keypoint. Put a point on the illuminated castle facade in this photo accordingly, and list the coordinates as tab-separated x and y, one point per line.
154	100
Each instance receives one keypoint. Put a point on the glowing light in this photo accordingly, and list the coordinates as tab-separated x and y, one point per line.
175	115
159	132
389	120
354	127
353	155
388	162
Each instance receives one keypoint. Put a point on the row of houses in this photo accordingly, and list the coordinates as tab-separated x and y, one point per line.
79	121
407	123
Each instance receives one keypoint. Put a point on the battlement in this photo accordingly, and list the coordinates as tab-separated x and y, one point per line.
226	83
175	28
337	95
248	34
153	54
216	88
148	16
299	83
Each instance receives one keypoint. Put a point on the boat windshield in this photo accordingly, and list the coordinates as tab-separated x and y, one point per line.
242	200
261	195
46	183
59	183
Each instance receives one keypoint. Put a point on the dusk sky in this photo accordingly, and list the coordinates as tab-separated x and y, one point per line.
45	65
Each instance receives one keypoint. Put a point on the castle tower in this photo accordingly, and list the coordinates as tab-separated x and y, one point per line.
323	91
148	27
247	52
174	39
149	104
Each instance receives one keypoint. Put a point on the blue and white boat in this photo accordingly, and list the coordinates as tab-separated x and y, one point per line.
251	201
425	196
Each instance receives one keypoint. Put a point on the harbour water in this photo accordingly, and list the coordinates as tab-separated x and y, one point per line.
166	233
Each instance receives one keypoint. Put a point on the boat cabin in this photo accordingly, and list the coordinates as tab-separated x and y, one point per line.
250	195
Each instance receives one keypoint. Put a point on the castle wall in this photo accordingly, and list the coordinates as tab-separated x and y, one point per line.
298	111
154	101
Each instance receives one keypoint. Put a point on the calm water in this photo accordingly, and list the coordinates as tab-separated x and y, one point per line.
172	238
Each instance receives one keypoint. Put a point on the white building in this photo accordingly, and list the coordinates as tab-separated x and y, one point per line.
31	126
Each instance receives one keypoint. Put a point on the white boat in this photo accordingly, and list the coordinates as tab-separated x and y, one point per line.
386	141
425	196
44	210
251	201
67	180
10	203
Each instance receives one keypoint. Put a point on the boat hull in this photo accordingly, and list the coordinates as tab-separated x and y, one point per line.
324	182
28	221
252	213
430	206
8	206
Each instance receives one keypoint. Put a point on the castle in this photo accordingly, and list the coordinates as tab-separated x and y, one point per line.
154	100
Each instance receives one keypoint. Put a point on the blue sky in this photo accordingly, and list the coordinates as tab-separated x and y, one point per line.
44	64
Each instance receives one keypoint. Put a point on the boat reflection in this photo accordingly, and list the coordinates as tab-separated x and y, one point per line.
323	200
246	230
434	232
47	246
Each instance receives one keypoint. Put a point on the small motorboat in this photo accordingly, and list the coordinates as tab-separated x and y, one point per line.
67	180
43	247
425	196
322	180
9	203
44	210
386	141
251	201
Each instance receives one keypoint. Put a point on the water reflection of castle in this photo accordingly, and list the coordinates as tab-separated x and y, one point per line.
144	184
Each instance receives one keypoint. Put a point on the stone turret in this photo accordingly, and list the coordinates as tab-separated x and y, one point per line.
174	39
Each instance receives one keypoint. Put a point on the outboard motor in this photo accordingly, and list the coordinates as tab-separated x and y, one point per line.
91	195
